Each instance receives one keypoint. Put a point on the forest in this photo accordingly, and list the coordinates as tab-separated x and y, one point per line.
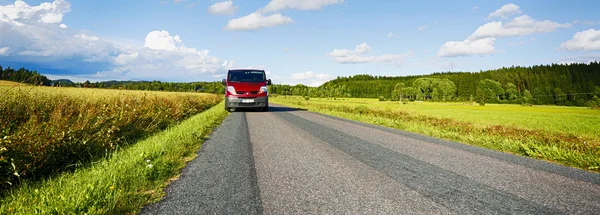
576	84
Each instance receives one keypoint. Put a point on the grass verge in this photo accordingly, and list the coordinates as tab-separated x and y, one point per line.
123	182
563	148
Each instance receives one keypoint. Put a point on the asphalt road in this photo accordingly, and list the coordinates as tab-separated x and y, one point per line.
289	161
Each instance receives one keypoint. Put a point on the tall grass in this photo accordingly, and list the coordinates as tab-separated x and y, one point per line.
48	130
568	148
122	182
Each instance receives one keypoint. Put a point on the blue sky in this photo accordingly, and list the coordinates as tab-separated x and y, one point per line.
296	41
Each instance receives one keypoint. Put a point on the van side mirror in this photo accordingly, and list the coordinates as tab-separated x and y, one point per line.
268	81
224	82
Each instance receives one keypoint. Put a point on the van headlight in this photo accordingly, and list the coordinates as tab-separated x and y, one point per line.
263	89
231	89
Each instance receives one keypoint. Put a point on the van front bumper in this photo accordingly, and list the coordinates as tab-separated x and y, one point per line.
257	102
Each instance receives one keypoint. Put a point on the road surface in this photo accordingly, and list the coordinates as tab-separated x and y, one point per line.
289	161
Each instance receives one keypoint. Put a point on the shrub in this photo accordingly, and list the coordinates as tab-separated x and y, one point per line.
381	98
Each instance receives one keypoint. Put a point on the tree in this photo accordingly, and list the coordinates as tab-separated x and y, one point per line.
511	92
398	92
527	97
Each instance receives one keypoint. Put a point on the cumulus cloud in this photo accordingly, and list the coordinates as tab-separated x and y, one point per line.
519	26
278	5
481	42
20	13
467	47
310	78
356	56
256	21
422	28
505	11
261	18
34	35
223	8
587	40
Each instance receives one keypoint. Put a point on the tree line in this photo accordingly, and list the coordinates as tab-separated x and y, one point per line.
23	75
560	84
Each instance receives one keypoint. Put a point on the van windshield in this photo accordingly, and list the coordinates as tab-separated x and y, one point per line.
246	76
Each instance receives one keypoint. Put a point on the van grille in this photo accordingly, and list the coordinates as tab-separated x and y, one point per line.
244	92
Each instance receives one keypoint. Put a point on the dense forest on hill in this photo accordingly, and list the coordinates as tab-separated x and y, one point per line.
572	84
559	84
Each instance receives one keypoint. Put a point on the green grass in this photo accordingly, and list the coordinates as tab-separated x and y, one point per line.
123	182
566	135
48	130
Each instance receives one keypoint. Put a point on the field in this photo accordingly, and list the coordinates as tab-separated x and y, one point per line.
122	182
566	135
10	83
48	130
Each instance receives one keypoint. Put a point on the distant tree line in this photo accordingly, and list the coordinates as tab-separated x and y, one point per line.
205	87
571	84
23	75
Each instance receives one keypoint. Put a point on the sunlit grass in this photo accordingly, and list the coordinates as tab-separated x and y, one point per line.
47	130
566	135
574	120
122	182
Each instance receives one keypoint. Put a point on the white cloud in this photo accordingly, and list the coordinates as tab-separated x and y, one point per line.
162	40
355	56
35	36
587	40
123	59
20	13
310	78
481	42
223	8
63	26
505	11
422	28
519	26
474	9
178	1
467	47
4	51
260	18
256	21
278	5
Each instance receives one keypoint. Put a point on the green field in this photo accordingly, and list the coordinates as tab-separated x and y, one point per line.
567	135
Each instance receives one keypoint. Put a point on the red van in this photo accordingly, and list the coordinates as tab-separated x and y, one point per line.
246	88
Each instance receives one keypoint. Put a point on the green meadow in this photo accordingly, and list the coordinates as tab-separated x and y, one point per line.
566	135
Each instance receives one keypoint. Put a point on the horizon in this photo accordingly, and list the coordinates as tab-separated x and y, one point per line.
296	42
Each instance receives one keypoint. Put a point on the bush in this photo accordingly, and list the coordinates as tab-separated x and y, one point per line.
50	130
381	98
306	98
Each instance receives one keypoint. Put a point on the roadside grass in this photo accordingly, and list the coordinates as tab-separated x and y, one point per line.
48	130
122	182
492	128
581	121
